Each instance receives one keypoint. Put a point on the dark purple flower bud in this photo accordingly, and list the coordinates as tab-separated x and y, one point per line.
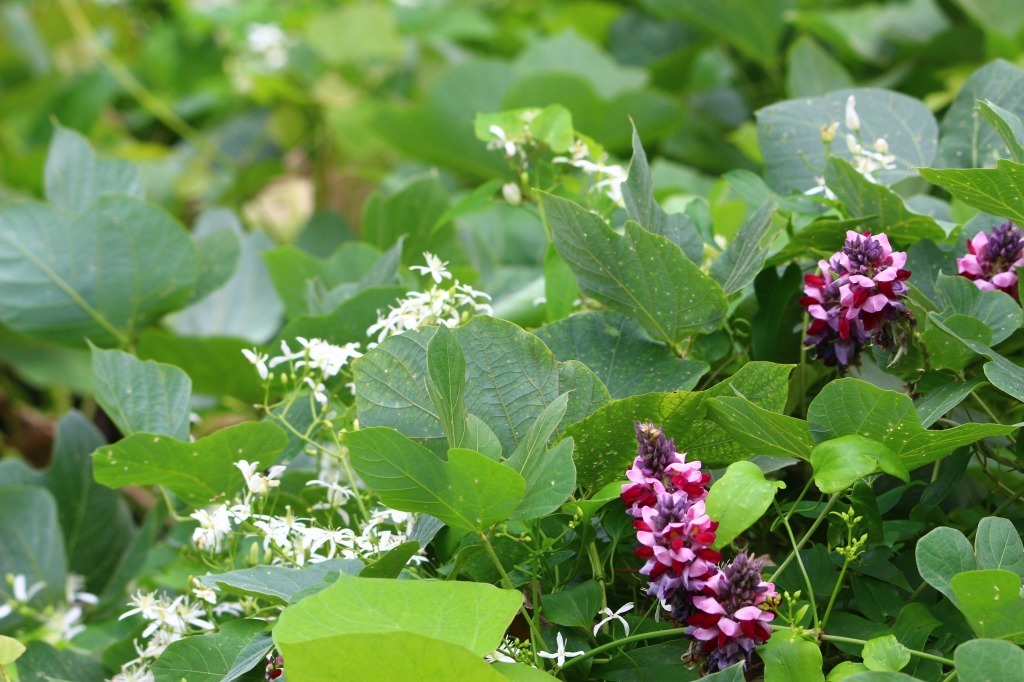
993	259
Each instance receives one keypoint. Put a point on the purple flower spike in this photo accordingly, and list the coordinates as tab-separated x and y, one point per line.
993	259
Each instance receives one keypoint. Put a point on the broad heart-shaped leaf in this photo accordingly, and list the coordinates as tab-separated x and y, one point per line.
967	142
991	602
639	274
997	310
739	499
206	658
994	190
292	270
510	377
75	177
741	262
1004	375
997	545
790	135
468	491
44	663
1006	124
550	475
356	616
102	274
574	607
606	441
142	397
618	351
638	195
31	545
761	431
392	562
96	522
788	657
882	208
840	462
940	555
885	653
988	660
853	407
278	584
200	473
412	210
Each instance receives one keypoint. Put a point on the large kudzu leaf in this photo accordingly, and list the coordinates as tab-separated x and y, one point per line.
468	491
206	658
510	377
383	272
789	656
606	441
638	195
853	407
997	191
220	249
997	545
967	142
102	274
42	662
279	584
1004	375
1000	313
75	177
740	263
142	397
944	398
761	431
883	209
574	607
738	499
991	602
201	472
618	351
31	545
253	654
988	660
940	555
790	135
550	475
639	274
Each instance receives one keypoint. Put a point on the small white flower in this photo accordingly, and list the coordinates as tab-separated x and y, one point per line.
512	194
207	594
503	141
609	616
259	360
435	267
134	672
73	590
214	526
319	391
22	592
269	42
62	624
257	483
852	119
560	653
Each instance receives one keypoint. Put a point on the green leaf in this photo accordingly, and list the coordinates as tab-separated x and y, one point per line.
790	135
617	350
100	275
560	288
75	177
550	475
1007	124
991	602
885	653
988	660
966	142
10	650
278	584
201	472
996	16
733	673
942	554
412	210
355	34
574	607
997	310
811	70
948	352
761	431
446	386
606	441
468	491
640	274
1004	375
994	190
252	654
391	564
96	522
348	322
31	543
741	262
215	364
998	545
638	195
206	658
43	663
880	676
853	407
841	462
844	670
739	499
292	271
791	657
882	208
219	256
142	396
941	400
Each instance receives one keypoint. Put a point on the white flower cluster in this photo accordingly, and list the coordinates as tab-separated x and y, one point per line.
269	44
515	143
608	178
60	622
867	161
509	651
321	359
169	619
447	306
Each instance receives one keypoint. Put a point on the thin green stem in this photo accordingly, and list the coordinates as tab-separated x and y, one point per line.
800	564
660	634
597	566
835	593
799	499
807	536
920	654
534	631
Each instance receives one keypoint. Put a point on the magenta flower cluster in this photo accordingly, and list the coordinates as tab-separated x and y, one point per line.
857	299
992	260
725	608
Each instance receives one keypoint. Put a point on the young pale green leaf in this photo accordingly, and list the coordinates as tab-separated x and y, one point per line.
446	385
998	545
739	499
641	206
468	491
618	351
30	536
941	400
1004	375
10	650
574	607
845	670
991	602
278	584
201	472
940	555
75	177
988	660
885	653
1007	124
639	274
853	407
67	278
993	190
741	262
606	441
761	431
841	462
787	657
206	658
142	397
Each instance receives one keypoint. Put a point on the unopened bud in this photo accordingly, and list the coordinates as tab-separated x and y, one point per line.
828	132
512	194
852	119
